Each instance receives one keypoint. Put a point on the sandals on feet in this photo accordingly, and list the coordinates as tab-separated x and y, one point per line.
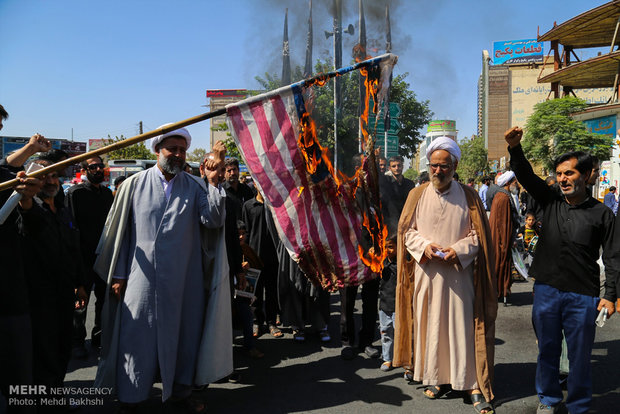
408	375
275	331
480	404
433	392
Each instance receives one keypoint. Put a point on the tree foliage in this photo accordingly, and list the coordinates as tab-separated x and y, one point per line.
473	161
197	155
414	114
231	148
137	151
411	174
550	131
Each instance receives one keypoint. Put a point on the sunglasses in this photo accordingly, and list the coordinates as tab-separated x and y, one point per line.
95	166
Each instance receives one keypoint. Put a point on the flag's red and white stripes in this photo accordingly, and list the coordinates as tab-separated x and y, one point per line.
320	227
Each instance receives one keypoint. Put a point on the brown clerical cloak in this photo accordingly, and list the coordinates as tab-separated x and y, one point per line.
485	304
502	228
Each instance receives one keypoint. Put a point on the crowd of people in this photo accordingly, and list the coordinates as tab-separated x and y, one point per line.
178	262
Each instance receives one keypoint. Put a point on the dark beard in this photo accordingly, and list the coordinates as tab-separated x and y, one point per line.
96	178
171	165
48	191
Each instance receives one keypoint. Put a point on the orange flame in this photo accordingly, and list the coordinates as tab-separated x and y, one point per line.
314	154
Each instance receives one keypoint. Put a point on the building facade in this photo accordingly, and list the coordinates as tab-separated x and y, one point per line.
507	94
435	129
218	99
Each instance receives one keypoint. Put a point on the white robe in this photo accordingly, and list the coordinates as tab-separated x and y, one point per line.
443	297
175	314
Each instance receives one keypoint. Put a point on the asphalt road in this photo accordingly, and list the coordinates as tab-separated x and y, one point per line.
311	377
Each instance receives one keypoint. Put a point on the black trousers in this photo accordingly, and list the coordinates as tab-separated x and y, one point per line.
79	315
15	358
52	313
267	296
370	302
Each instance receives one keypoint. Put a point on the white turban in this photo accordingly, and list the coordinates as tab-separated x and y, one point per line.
181	132
444	143
505	178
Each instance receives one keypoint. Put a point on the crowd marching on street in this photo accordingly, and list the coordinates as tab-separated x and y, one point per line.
179	264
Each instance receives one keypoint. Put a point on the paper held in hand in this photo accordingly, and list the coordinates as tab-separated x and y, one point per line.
602	318
251	278
15	198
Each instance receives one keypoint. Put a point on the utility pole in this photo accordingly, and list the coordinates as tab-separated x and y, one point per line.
337	33
362	86
140	124
337	65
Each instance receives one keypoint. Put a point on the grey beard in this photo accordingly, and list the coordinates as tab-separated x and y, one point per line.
43	194
168	167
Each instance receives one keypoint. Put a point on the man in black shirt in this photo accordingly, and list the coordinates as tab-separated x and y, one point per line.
54	279
16	356
395	194
235	190
255	218
89	204
566	293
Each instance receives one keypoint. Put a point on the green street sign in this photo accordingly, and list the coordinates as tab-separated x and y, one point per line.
394	125
394	110
391	145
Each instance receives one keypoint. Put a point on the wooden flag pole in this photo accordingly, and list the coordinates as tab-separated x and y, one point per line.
320	78
115	146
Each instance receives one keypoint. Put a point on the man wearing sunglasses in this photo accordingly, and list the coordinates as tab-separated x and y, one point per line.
89	203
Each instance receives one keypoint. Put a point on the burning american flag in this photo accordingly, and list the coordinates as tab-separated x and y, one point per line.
314	207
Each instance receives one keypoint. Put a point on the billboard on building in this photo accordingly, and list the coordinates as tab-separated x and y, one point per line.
605	125
94	144
517	51
227	93
10	144
441	125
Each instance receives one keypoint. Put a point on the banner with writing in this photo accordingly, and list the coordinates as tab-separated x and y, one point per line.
517	51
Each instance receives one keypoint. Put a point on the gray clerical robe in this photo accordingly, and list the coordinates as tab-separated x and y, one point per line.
175	314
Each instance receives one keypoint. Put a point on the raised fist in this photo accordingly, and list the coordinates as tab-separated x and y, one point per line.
513	136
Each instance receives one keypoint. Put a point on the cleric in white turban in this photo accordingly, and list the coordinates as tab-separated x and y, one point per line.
445	296
504	222
163	255
505	178
181	132
444	143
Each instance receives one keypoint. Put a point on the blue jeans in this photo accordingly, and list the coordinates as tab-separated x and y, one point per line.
386	326
554	311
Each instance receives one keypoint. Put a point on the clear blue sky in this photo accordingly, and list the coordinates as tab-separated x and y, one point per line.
100	67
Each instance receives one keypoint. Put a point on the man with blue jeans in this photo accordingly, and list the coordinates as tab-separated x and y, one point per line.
566	293
387	303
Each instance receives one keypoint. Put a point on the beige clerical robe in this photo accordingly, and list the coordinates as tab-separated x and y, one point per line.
444	294
411	319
